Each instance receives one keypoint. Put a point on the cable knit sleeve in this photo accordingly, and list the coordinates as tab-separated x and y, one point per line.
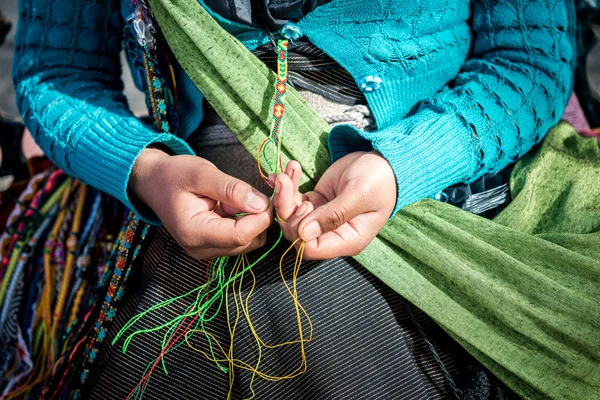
510	91
66	73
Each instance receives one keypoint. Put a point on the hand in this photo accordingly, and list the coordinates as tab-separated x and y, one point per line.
350	204
195	201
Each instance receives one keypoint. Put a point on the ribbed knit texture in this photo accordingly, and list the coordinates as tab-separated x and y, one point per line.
436	128
69	91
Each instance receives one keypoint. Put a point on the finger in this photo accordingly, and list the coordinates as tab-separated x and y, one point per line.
283	200
351	203
315	198
211	182
220	212
348	240
256	244
229	210
294	171
212	253
290	230
210	230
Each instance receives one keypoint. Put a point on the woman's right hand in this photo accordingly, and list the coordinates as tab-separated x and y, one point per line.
189	195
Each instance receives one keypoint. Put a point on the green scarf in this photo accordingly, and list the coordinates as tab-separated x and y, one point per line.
521	293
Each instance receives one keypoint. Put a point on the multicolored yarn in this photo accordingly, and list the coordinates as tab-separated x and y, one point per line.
144	44
23	216
65	323
243	305
47	285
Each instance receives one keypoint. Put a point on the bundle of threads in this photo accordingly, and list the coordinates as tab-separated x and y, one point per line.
206	301
53	269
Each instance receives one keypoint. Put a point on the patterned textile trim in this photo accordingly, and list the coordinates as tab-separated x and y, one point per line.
120	266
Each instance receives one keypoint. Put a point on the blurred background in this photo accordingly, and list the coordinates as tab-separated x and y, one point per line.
9	8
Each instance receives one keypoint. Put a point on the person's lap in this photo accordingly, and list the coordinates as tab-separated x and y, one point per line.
365	344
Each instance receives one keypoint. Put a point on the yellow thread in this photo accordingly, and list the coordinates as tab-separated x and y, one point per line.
247	315
12	265
49	275
228	355
243	261
71	248
47	335
230	370
77	302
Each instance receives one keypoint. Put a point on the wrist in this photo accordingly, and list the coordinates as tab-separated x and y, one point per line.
144	173
390	182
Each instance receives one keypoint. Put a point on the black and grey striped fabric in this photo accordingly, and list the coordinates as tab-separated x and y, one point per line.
311	69
366	345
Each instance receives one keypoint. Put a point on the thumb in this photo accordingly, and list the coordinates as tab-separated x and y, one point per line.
330	216
231	191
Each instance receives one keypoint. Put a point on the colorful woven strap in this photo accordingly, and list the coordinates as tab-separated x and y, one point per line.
280	88
276	135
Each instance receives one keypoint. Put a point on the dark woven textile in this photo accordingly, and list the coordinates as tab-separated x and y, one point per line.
366	343
311	69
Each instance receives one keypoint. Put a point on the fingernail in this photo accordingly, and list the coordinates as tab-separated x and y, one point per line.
302	210
277	186
257	201
272	178
311	231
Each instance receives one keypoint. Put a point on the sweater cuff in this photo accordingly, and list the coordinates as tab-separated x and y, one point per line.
117	148
427	152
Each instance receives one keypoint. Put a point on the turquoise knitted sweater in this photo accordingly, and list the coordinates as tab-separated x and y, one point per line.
457	89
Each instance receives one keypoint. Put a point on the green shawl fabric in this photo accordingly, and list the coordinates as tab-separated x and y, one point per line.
521	293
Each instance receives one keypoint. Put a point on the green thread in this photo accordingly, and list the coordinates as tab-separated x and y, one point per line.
187	314
197	308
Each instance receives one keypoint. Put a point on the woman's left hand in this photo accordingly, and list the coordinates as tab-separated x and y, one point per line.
350	204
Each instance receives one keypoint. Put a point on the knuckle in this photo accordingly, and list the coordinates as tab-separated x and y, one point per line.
363	192
288	236
336	217
234	189
204	163
235	252
354	252
309	255
240	239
